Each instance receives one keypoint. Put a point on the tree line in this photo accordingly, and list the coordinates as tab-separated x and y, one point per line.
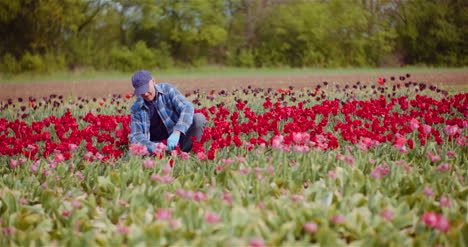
50	35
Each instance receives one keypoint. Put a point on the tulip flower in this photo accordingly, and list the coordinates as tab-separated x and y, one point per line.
387	214
212	217
257	242
163	214
310	227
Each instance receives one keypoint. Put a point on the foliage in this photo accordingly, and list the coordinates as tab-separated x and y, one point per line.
254	33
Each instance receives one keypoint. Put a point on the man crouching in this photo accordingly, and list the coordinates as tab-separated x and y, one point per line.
161	112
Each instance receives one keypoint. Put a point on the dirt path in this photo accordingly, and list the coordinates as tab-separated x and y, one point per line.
103	88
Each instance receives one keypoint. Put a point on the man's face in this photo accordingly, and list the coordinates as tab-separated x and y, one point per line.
149	96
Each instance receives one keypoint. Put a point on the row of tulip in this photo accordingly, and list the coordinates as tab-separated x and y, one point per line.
274	167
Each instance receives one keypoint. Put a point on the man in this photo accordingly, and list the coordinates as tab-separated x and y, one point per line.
161	112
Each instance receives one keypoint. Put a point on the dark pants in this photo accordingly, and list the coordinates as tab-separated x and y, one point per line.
196	129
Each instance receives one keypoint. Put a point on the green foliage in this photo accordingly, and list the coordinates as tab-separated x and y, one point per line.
255	33
9	64
432	32
124	59
32	63
246	58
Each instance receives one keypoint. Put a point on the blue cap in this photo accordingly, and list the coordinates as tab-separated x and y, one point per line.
140	81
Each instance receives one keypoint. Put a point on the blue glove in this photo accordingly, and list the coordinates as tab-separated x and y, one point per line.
172	141
151	148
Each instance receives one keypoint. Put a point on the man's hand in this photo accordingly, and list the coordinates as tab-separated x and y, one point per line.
173	140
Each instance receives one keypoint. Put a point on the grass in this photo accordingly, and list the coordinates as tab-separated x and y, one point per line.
208	71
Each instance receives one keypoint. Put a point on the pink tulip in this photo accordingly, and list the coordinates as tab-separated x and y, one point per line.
338	219
227	161
163	214
428	191
400	162
9	230
76	204
149	163
137	149
241	159
184	156
162	179
14	163
79	176
23	201
444	201
442	224
167	169
212	217
201	156
52	164
436	221
33	168
200	196
72	147
270	169
310	227
296	198
123	229
408	168
461	141
66	213
88	155
339	157
227	196
257	242
433	156
243	171
123	203
430	219
99	156
258	170
175	223
169	196
349	159
444	167
59	158
451	154
286	149
414	124
387	214
451	130
380	171
427	129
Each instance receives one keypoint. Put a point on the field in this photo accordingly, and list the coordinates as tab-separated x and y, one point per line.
358	159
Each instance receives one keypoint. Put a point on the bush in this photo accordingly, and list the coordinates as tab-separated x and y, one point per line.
124	59
32	63
246	58
9	64
121	58
53	62
161	57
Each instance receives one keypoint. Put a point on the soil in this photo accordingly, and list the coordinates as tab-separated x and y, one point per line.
104	88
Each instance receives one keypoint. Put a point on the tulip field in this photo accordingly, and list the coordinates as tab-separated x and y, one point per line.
379	163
